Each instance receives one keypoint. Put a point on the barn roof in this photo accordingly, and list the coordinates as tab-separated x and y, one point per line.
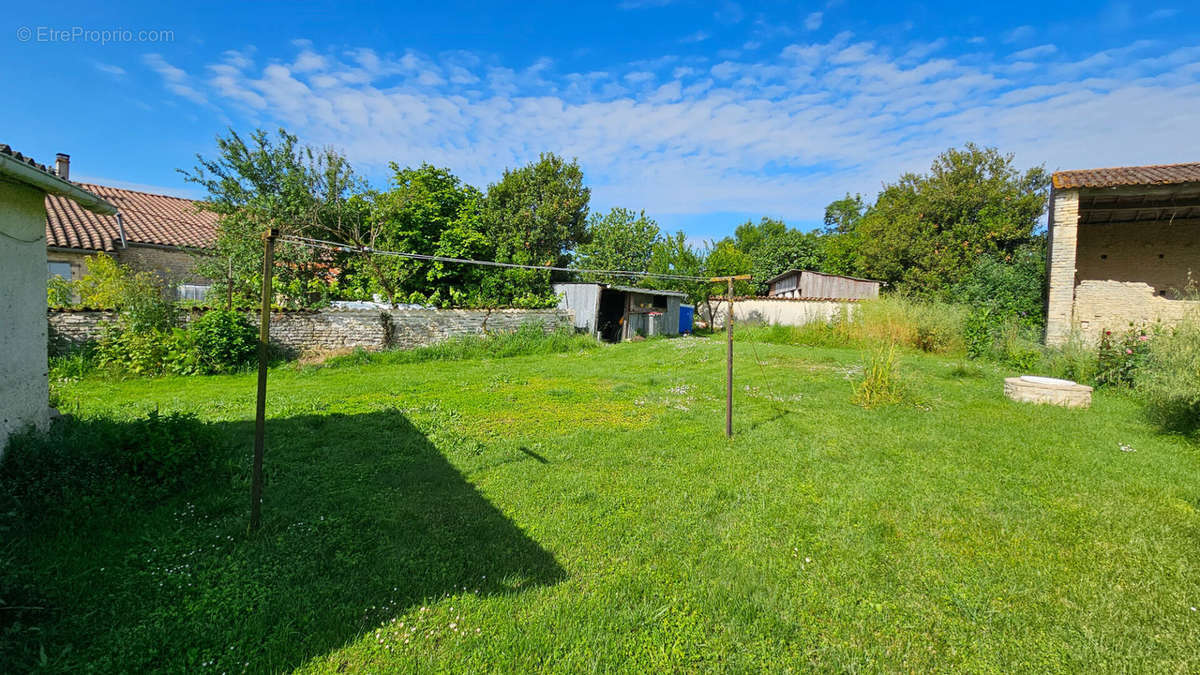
1157	174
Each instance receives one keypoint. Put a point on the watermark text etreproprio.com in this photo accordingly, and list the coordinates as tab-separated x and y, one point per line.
100	36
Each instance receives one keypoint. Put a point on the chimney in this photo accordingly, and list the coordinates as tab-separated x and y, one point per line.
62	166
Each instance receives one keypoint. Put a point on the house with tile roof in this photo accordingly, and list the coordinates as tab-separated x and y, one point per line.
1124	248
153	232
25	186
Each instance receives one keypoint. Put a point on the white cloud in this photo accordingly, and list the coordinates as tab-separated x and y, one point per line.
784	132
698	36
1020	33
813	21
1033	52
1159	14
174	79
110	69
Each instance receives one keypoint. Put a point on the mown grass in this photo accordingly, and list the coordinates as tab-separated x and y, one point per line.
582	510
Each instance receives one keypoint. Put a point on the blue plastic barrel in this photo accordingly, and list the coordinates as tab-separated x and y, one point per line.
685	318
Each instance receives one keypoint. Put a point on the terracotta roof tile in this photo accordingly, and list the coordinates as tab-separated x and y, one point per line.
148	219
1160	174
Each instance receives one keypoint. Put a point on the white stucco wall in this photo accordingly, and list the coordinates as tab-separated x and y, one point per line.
781	311
24	396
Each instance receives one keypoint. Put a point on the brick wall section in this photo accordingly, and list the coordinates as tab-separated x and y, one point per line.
1064	228
337	329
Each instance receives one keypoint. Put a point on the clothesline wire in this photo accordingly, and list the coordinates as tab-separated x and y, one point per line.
351	248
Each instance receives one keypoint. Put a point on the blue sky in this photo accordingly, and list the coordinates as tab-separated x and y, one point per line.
701	113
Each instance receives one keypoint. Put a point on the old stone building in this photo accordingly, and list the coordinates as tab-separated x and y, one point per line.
153	232
1124	248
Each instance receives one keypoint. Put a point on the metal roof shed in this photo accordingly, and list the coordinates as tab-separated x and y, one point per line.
615	313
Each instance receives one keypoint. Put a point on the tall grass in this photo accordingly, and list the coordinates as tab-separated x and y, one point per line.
1169	379
925	326
881	383
529	339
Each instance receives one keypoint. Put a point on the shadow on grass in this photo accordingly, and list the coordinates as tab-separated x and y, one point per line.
364	519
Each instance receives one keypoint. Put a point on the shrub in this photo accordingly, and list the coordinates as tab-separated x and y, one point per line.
140	352
881	383
220	341
1120	356
1168	378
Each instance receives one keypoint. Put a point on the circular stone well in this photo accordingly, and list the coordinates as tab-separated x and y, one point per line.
1037	389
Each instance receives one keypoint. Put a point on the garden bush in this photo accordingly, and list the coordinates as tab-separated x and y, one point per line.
1120	355
1168	377
219	341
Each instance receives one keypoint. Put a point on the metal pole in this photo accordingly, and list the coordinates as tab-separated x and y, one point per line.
260	410
729	364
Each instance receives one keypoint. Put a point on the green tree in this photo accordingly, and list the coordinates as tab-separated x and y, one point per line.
750	235
790	249
671	254
725	259
260	183
617	240
926	231
842	215
535	215
421	205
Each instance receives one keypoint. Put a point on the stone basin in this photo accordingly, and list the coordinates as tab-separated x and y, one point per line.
1038	389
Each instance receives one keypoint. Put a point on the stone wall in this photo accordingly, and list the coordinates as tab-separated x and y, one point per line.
775	311
1060	262
1120	305
1164	255
302	331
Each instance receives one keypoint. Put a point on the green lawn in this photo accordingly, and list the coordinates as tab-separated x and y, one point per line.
583	511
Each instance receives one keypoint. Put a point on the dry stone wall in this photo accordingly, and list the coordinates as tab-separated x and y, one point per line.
302	331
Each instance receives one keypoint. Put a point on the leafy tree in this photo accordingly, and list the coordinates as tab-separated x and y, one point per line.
842	215
617	240
671	254
725	259
535	215
926	231
750	235
421	205
260	183
790	249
